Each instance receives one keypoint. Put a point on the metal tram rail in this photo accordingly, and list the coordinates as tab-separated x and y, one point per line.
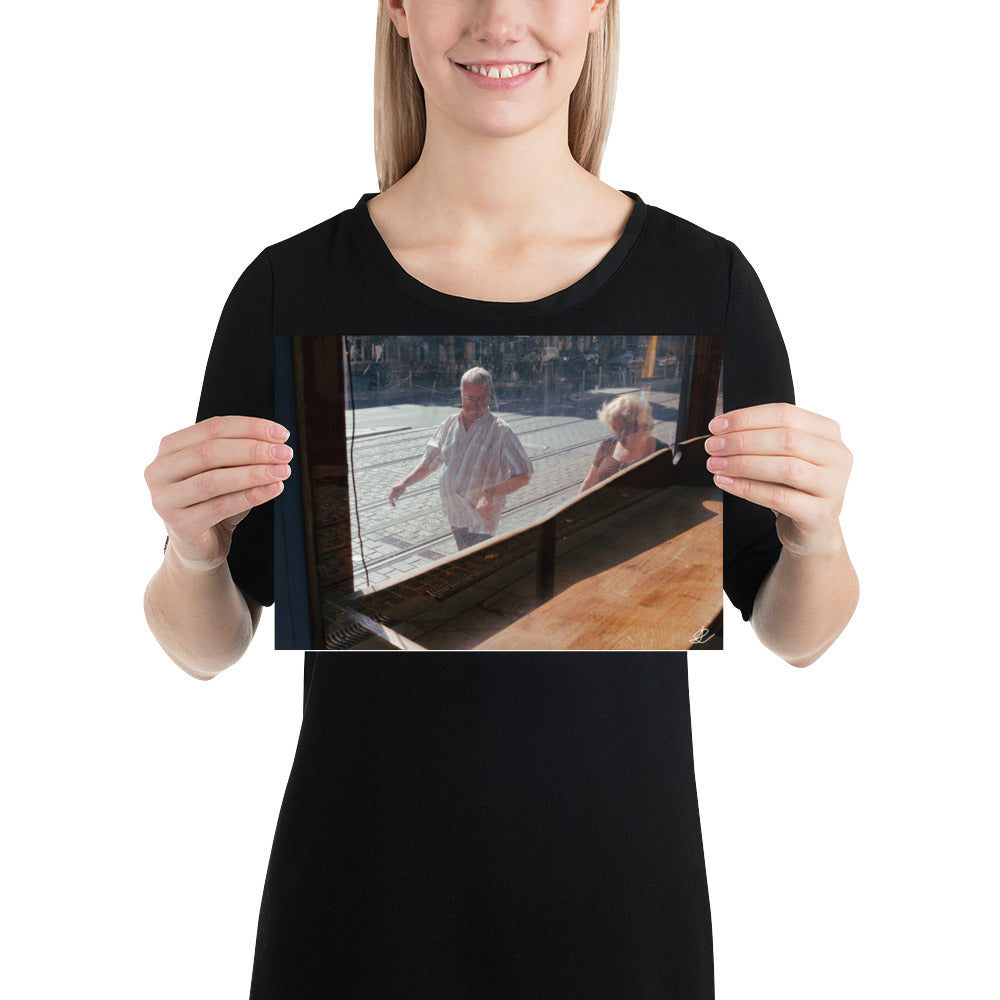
423	491
421	431
447	536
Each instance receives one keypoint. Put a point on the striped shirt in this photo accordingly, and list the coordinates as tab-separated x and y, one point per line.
485	455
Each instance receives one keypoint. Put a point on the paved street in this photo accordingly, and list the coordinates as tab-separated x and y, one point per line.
390	440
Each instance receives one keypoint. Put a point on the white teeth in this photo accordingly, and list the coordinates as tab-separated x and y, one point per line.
501	72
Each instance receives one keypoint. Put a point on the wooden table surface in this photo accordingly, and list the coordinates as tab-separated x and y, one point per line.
650	580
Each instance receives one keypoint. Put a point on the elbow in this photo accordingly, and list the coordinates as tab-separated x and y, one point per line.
801	632
782	646
806	661
774	638
204	671
848	604
198	676
199	673
202	665
795	657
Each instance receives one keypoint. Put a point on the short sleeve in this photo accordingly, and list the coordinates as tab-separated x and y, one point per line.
433	452
514	456
755	370
239	381
604	451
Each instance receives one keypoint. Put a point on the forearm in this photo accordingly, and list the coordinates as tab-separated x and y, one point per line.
420	472
805	602
202	620
511	485
593	478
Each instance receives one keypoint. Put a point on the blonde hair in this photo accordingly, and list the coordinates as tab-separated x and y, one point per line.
401	119
634	413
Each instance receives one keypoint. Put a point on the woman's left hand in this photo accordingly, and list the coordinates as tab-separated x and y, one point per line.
789	460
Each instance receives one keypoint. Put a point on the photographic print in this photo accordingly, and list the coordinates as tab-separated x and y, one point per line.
499	493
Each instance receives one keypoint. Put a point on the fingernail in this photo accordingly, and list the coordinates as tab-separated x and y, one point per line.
719	425
716	464
724	480
281	452
715	444
280	471
277	431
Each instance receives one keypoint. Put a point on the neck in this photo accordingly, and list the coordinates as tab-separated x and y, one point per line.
480	182
640	448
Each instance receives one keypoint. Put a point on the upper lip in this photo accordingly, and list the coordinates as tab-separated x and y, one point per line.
497	62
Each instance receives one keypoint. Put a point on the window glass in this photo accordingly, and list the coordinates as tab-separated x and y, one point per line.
454	486
547	390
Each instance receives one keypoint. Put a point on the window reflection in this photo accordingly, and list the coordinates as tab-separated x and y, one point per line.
553	417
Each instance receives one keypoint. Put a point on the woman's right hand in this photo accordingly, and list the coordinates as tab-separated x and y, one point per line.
206	478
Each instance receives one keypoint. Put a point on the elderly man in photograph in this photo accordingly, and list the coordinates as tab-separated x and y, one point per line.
483	463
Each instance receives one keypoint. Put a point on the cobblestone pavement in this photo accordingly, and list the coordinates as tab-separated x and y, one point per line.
389	442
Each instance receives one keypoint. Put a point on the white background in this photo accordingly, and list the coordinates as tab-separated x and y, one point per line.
153	150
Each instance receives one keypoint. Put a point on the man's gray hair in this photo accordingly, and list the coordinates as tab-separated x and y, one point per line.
478	376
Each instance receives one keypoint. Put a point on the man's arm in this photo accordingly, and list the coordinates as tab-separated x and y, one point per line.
489	496
515	457
511	485
420	472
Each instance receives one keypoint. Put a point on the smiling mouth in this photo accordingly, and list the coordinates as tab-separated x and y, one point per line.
504	71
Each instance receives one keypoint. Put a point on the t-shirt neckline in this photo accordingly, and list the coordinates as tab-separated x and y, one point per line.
565	298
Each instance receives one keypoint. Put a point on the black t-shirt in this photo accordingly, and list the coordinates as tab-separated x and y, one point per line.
511	825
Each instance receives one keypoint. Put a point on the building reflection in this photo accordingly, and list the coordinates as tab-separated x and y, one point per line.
403	365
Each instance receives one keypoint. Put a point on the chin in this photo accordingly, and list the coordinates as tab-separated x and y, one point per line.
506	120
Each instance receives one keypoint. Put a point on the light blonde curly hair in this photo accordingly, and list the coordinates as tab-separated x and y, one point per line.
629	410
